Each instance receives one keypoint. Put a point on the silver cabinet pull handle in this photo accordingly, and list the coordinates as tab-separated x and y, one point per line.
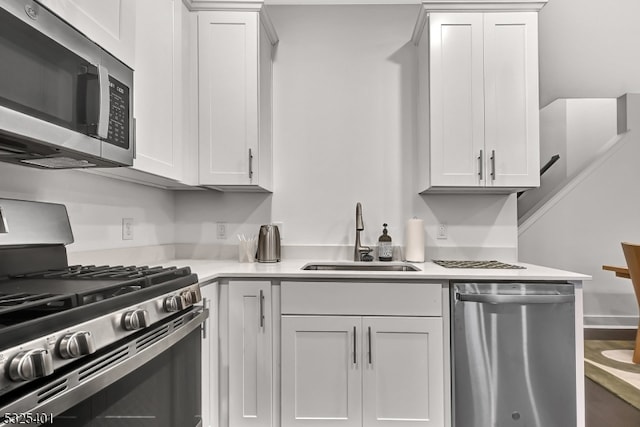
261	309
493	165
203	327
515	299
250	164
355	343
370	355
481	160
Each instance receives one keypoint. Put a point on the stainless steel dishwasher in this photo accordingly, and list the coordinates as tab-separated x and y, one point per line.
514	361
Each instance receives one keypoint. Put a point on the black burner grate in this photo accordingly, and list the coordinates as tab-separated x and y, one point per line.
98	272
18	307
8	300
34	295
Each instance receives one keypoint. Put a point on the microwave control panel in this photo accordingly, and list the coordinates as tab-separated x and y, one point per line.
119	113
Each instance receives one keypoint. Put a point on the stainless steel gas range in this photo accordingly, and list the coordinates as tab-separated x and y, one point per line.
92	345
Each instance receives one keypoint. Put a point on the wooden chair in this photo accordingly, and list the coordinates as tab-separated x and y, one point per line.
632	256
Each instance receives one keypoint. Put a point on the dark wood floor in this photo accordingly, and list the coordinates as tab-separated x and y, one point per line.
604	409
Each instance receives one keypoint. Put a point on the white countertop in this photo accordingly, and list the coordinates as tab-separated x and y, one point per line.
208	270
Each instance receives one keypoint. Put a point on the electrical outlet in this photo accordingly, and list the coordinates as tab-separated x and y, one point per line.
443	232
127	228
221	230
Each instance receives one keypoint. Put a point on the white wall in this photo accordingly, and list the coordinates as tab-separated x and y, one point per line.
584	229
591	123
589	49
345	131
96	205
578	130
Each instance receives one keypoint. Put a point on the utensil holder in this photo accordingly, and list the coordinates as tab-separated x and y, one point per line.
247	250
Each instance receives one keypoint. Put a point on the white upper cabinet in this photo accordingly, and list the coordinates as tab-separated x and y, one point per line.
157	85
166	145
512	111
109	23
456	82
235	100
478	106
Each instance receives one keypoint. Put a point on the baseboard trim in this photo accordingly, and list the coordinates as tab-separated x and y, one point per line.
610	322
627	334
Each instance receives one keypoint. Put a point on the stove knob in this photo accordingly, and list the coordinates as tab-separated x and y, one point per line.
186	297
29	365
76	344
173	303
191	297
196	296
135	319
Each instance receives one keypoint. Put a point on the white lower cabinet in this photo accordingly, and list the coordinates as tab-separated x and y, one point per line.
209	357
250	354
321	371
362	371
403	375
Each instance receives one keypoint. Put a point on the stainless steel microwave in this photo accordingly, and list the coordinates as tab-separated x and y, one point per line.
64	101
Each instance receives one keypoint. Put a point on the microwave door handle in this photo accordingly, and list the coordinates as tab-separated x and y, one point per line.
105	102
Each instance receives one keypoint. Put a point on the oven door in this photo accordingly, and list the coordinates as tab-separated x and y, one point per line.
152	379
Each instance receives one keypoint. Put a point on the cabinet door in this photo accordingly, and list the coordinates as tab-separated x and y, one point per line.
109	23
511	99
321	371
228	97
403	378
250	370
456	99
209	357
158	87
263	167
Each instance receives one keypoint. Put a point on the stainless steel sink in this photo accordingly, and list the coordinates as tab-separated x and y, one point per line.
360	266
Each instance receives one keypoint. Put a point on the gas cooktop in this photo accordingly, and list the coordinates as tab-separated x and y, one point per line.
81	285
54	315
37	301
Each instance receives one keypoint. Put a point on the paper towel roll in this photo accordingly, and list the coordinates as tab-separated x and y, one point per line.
414	240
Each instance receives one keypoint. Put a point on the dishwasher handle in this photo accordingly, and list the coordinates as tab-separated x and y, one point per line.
515	299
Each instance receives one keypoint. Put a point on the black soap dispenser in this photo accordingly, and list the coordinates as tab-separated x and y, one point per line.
385	249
